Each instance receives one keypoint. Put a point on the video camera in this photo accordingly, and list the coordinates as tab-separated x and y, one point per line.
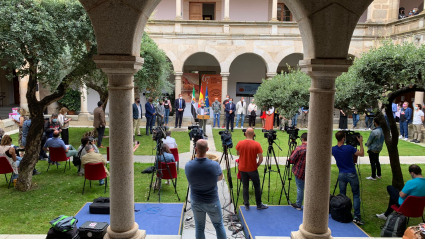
293	132
226	138
159	133
270	135
351	138
195	133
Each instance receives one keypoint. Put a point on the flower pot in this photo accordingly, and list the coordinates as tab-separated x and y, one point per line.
71	112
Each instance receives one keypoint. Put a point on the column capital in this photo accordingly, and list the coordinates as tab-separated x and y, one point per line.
117	64
179	73
271	75
225	74
326	66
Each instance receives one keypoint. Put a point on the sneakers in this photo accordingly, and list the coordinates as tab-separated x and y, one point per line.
378	177
236	127
405	139
381	216
400	137
294	205
262	206
370	178
246	207
358	221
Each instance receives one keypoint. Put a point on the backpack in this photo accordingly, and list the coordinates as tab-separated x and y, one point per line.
70	234
341	208
394	226
76	160
63	223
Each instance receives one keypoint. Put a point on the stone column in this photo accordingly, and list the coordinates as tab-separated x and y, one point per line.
318	165
84	113
178	9
120	70
419	98
226	11
224	82
274	11
270	75
23	88
178	84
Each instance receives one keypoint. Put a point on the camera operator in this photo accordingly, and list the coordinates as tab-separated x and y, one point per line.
298	158
347	171
248	150
374	144
202	122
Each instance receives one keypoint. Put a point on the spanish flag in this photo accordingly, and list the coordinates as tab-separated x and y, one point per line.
201	98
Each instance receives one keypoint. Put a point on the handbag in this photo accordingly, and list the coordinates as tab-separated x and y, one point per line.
76	160
253	113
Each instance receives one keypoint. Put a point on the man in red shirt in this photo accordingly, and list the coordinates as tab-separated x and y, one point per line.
248	150
298	159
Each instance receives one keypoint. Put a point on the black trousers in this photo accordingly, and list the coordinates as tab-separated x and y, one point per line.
179	118
343	122
394	195
375	164
231	120
252	120
276	120
100	133
65	136
255	178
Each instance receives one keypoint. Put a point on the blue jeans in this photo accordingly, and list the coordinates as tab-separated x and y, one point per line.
167	114
217	119
18	161
300	191
149	124
214	212
294	120
237	120
356	118
353	180
153	121
404	129
368	121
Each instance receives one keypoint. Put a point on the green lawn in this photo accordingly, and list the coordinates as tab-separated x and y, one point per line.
405	148
56	193
373	194
146	143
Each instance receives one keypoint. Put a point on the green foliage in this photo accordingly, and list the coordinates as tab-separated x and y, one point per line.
155	71
286	92
71	100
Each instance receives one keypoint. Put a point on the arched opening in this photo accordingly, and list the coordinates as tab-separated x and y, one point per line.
292	60
246	69
410	5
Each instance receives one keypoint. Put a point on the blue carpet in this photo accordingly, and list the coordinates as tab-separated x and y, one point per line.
152	217
282	220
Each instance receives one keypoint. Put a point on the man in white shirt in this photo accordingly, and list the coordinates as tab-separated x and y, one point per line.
169	141
240	112
137	116
203	122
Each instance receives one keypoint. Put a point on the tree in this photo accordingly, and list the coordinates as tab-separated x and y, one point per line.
383	74
46	40
286	92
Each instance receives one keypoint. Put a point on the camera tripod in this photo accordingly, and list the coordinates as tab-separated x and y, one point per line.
225	156
292	143
158	170
188	187
268	166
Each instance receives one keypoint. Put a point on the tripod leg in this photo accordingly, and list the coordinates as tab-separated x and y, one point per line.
336	185
150	185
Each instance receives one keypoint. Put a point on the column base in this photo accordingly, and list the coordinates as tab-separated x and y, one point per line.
178	18
274	20
303	234
226	19
134	233
83	117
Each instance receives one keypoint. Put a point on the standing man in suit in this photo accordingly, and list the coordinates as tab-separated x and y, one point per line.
202	122
99	123
150	112
137	116
240	112
179	104
230	114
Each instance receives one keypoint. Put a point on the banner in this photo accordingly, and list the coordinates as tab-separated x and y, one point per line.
246	89
213	82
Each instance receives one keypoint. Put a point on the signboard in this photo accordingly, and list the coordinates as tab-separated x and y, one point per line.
246	89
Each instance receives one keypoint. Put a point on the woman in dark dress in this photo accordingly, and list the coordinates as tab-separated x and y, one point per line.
343	120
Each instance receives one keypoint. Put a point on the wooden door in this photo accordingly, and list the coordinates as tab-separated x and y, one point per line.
195	11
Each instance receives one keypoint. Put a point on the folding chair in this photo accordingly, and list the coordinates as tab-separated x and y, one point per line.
175	153
94	171
167	173
6	168
58	155
412	207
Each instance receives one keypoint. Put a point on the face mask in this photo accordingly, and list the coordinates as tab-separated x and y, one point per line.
230	101
227	98
242	100
160	103
166	99
181	97
202	107
216	100
416	108
252	102
54	120
414	11
138	101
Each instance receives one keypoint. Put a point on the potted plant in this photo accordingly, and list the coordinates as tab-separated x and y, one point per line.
71	100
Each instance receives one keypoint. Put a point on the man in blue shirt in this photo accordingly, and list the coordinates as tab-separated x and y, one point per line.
343	155
374	144
202	175
56	142
414	187
150	112
405	119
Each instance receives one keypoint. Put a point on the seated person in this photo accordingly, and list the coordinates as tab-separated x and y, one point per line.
56	142
6	150
170	141
166	157
414	187
51	125
84	142
93	157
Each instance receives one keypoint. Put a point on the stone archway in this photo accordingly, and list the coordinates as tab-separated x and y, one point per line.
292	60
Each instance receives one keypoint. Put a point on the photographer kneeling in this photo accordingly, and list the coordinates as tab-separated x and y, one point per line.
347	170
248	150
